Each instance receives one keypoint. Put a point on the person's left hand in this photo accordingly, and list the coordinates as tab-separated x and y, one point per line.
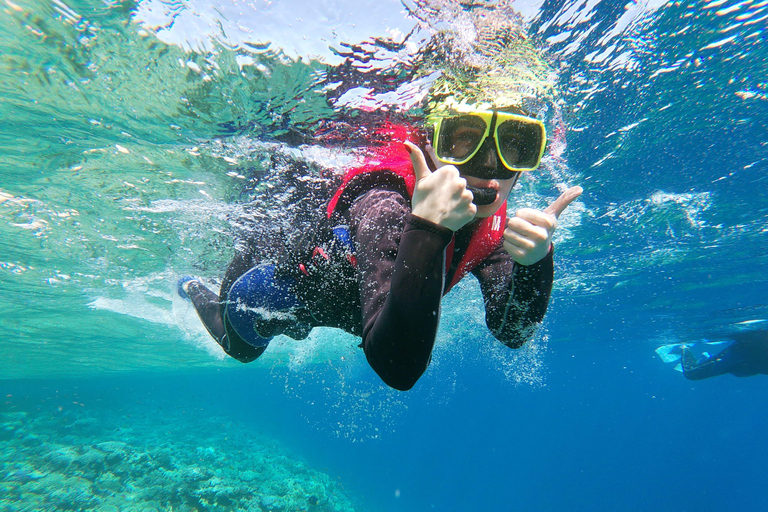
528	235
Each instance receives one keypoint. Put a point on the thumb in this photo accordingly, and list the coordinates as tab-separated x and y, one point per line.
562	202
420	167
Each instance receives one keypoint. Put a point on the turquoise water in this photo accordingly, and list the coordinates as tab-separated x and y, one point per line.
138	140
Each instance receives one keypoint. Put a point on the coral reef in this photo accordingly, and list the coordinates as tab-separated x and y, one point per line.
96	461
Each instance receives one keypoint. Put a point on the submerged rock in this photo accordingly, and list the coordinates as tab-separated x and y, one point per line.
23	475
61	457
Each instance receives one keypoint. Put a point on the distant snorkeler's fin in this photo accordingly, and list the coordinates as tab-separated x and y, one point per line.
688	359
670	353
673	352
704	368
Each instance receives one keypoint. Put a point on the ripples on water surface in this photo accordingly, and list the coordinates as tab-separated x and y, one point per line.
138	140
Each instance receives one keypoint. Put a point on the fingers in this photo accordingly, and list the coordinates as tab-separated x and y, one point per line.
518	241
528	236
535	217
518	253
562	202
524	233
466	195
420	167
524	251
455	185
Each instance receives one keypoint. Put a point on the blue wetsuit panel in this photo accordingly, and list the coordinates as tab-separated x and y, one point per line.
256	295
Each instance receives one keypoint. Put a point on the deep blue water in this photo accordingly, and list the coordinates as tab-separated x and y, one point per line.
611	430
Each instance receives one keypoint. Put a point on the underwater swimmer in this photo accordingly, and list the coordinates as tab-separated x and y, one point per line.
746	356
398	236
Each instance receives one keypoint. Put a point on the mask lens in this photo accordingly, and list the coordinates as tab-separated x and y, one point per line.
460	137
520	143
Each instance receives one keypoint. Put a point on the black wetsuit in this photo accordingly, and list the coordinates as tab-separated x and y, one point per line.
391	297
745	357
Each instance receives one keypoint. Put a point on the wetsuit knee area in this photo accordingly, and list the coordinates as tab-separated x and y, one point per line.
261	305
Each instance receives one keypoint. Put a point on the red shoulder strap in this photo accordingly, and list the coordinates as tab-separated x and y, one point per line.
391	156
485	239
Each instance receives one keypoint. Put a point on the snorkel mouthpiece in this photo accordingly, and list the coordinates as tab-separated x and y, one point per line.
482	196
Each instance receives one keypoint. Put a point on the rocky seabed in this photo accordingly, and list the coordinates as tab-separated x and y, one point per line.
73	461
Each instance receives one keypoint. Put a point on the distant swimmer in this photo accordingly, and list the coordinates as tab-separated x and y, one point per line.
745	356
427	207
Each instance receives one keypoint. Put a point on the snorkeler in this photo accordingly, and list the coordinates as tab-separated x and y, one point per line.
745	356
399	234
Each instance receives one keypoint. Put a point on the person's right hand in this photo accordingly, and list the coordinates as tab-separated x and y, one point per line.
440	196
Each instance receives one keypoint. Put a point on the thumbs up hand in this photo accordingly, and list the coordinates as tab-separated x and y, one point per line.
440	196
528	235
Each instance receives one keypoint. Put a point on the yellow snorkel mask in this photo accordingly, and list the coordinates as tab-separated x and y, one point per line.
519	140
460	132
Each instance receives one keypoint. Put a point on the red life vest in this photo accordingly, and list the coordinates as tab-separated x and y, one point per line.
393	157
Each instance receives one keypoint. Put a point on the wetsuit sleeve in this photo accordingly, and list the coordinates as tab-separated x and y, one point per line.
516	296
401	260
